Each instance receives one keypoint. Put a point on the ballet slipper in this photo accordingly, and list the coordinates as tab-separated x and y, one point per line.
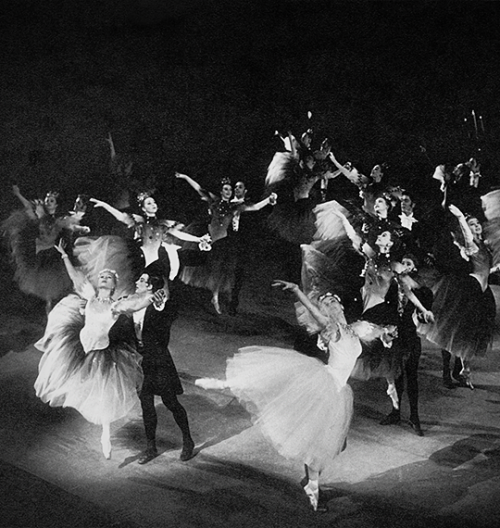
393	394
312	491
210	383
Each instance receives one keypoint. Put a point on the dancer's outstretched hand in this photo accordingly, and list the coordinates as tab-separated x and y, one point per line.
285	285
60	247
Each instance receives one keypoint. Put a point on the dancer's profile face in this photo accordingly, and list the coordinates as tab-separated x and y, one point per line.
381	206
240	190
142	284
149	206
226	191
475	226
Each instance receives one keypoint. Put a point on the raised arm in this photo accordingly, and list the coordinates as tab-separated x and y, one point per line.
464	227
124	218
77	278
28	206
205	195
303	299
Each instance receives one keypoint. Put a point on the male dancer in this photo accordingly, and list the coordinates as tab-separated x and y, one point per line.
411	351
152	329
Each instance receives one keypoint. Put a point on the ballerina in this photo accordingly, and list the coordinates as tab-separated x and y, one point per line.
217	274
464	303
88	362
156	236
383	284
32	233
303	406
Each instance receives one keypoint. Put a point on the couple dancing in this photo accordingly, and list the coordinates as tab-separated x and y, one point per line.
96	361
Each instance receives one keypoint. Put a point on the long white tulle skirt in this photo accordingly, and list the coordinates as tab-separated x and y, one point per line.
300	407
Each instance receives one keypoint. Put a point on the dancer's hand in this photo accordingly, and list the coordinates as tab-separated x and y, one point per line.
273	198
60	247
96	202
286	285
455	211
180	176
428	316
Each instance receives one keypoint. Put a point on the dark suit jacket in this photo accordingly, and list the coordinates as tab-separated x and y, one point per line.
160	374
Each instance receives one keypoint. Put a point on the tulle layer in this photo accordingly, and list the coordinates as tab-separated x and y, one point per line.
217	272
299	405
40	274
112	252
101	385
465	317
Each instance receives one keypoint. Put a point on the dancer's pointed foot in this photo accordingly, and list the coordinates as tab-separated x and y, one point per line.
393	395
312	492
106	448
215	304
147	456
210	383
393	418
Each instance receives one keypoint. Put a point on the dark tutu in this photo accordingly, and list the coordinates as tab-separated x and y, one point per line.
217	273
40	274
465	317
102	385
377	361
294	220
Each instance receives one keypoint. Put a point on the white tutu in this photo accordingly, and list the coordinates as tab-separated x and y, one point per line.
298	402
102	385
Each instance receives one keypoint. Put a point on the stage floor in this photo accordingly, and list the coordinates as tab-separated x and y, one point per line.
54	474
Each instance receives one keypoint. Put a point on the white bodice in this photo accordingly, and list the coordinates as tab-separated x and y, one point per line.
343	354
98	321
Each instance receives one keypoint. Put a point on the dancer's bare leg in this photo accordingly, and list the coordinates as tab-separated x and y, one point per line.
106	440
215	301
392	392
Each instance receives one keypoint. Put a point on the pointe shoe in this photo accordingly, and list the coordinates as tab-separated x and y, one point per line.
393	395
312	492
210	383
215	304
106	448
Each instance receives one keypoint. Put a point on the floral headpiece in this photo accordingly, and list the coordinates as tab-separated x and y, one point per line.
143	195
225	181
53	194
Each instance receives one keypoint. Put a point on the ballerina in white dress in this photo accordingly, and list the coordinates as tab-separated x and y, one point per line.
303	406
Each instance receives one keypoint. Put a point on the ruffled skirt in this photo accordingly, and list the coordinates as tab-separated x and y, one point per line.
465	317
40	274
102	385
300	407
217	272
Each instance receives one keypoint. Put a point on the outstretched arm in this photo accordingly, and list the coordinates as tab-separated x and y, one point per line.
352	176
302	297
28	206
270	200
205	195
124	218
